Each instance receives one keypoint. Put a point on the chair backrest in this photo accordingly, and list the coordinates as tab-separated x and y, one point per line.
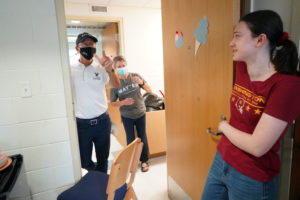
126	161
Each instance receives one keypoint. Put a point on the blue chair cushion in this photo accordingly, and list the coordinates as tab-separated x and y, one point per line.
92	187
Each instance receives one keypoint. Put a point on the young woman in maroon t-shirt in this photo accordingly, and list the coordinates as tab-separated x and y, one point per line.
264	103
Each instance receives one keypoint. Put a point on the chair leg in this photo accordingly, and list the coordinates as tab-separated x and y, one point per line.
130	195
111	196
134	197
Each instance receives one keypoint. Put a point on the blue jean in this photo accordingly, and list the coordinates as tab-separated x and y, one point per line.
224	182
99	134
140	124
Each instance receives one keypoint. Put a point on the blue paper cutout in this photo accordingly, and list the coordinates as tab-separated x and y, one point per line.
178	39
200	33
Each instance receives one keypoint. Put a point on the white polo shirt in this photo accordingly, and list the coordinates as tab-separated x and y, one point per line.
89	92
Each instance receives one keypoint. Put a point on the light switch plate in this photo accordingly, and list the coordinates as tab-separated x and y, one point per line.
25	90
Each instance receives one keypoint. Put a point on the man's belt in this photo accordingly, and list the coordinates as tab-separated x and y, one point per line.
93	121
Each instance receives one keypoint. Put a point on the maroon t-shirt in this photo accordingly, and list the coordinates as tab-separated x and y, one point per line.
278	96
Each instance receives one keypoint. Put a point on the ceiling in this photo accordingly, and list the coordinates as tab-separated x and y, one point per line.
122	3
110	3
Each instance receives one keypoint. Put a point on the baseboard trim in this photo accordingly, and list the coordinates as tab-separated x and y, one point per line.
175	192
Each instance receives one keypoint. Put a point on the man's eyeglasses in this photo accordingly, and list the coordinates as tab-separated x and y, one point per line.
86	44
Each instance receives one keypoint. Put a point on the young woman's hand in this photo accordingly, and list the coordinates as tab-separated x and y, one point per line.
136	79
222	125
128	101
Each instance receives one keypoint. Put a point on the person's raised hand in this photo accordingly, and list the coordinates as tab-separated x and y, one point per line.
136	79
105	61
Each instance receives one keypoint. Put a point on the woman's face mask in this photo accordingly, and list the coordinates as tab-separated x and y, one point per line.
122	71
88	52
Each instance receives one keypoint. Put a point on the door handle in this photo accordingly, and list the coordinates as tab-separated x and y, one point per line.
222	118
208	130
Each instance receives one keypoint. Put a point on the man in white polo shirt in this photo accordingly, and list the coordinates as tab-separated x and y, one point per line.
90	101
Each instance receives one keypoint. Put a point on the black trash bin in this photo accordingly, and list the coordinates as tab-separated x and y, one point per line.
9	176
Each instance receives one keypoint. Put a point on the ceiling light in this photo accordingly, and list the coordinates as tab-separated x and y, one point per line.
75	22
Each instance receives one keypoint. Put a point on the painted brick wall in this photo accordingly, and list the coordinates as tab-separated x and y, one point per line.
34	126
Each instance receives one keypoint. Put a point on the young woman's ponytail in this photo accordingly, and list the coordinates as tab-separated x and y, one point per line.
284	56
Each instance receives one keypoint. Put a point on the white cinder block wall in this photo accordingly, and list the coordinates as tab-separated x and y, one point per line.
35	126
142	38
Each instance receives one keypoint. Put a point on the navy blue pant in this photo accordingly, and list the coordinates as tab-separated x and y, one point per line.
99	134
140	124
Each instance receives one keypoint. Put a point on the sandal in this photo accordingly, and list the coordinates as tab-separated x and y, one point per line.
144	168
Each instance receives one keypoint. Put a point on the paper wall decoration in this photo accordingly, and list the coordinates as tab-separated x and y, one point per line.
200	33
178	39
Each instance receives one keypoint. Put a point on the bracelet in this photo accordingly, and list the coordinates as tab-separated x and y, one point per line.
112	71
141	85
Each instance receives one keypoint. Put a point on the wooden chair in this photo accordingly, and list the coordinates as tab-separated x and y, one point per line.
97	185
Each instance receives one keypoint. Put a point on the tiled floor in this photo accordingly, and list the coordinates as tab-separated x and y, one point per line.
151	185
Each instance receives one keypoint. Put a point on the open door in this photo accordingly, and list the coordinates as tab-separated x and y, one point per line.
110	45
197	87
110	42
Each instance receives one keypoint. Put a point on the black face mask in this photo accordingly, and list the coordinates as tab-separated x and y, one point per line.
88	52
